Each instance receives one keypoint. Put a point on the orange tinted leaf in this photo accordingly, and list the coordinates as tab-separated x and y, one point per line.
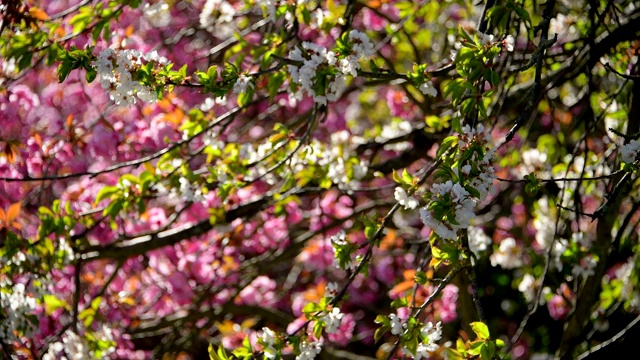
409	274
402	287
38	139
175	117
11	151
38	13
13	211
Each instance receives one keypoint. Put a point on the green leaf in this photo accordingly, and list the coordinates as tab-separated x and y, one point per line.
219	354
480	329
379	333
485	352
53	303
447	143
106	192
311	308
317	329
475	347
524	15
406	177
453	354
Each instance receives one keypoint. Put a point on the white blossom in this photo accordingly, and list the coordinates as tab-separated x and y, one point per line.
18	302
242	84
508	43
268	336
409	202
527	287
158	14
427	88
441	229
543	223
217	18
485	38
396	325
331	290
432	334
114	72
309	350
75	346
349	66
65	247
332	320
508	256
629	151
191	192
478	240
362	46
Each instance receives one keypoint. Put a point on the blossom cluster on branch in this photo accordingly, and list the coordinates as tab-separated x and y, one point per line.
277	179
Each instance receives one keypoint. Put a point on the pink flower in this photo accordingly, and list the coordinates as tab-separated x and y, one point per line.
558	307
259	292
449	302
345	331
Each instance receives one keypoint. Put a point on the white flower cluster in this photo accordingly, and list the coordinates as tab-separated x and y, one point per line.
331	290
256	156
461	201
271	6
64	246
485	39
342	149
409	202
455	195
362	46
332	320
7	69
76	347
309	350
478	240
427	88
73	346
397	327
315	57
392	130
527	287
508	256
339	240
267	340
114	68
158	14
431	333
242	84
21	260
543	223
508	43
16	303
338	156
191	192
534	161
629	151
217	18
